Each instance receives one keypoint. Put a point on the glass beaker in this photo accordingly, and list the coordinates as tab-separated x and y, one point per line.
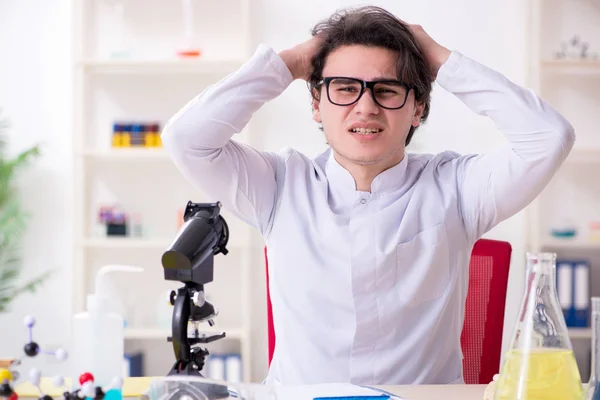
593	391
540	363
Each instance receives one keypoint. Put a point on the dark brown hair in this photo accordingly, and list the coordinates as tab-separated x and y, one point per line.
375	27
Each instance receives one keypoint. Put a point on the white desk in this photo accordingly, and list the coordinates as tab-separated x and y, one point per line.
135	386
438	392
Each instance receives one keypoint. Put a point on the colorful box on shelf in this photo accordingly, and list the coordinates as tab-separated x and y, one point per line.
136	135
112	221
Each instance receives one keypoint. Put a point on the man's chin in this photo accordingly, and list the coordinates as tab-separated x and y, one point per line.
363	159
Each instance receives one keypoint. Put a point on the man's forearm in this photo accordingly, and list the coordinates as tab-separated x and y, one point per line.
290	58
533	128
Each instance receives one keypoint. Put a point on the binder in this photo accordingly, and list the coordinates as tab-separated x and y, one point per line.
581	301
226	367
215	365
573	290
564	285
133	365
233	368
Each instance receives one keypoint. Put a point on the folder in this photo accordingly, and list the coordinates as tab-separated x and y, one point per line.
581	301
233	368
215	365
564	285
226	367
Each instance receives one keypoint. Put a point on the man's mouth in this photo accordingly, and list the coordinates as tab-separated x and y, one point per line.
366	131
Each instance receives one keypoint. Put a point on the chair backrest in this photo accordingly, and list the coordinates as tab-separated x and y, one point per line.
481	338
270	326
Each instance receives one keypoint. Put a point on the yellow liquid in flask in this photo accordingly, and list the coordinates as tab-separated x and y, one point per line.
541	374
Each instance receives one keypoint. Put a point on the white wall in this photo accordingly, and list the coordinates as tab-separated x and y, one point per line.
35	95
35	92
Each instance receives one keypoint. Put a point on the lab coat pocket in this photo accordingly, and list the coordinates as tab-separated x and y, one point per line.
423	266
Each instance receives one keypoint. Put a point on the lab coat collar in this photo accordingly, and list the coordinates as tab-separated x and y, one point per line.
342	182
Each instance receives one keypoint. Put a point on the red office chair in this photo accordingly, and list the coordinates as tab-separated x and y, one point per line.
481	338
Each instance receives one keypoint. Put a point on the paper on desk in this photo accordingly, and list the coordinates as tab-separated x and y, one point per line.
309	392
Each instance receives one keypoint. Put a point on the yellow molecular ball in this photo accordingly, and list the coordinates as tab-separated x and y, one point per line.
5	375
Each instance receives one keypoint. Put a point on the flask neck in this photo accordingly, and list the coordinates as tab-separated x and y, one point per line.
541	323
541	273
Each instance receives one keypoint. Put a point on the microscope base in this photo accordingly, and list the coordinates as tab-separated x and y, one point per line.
212	391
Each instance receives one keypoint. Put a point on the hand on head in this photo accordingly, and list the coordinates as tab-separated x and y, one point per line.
434	53
299	58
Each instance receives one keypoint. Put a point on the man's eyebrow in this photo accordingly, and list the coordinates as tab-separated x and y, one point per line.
395	78
378	79
346	79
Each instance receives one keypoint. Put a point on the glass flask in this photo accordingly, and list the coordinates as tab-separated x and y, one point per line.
593	391
540	363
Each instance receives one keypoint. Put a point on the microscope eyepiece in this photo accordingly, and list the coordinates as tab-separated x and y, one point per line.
203	234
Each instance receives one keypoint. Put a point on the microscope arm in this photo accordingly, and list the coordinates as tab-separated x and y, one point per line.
181	316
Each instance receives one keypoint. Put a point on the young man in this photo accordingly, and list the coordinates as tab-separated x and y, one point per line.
368	245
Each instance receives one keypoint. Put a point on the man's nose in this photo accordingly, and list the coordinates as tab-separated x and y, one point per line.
366	104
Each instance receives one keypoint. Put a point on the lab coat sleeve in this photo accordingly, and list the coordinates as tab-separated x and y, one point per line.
198	138
494	186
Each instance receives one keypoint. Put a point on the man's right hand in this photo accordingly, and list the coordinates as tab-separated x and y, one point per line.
299	58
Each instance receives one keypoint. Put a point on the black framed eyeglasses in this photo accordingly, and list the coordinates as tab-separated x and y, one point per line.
344	91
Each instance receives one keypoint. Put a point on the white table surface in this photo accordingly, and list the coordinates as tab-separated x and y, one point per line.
408	392
438	392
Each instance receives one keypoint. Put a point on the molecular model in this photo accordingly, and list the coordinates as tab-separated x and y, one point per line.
6	390
87	390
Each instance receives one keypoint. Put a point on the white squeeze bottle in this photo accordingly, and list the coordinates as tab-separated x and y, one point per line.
99	334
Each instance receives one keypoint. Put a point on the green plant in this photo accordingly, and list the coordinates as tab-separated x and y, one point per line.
13	223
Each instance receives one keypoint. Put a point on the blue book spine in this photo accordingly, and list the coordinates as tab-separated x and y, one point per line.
564	285
581	301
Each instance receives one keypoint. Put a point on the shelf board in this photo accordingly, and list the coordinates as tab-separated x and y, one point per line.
580	333
175	65
125	243
584	155
134	243
127	154
572	66
160	333
570	243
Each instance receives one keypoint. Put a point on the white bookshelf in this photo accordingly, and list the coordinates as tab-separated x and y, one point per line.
127	155
162	334
568	243
570	83
164	66
580	333
125	243
587	156
149	84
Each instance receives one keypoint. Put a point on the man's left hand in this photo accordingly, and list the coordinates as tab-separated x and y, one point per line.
434	53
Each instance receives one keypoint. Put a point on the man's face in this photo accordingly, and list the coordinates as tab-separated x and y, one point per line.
385	146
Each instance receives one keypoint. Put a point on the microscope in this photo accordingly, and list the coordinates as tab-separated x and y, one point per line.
189	260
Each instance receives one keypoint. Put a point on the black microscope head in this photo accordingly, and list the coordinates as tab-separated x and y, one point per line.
203	234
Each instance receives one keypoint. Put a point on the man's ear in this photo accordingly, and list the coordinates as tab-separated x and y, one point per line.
416	120
316	106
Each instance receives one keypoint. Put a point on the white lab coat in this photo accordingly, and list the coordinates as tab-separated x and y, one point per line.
368	288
